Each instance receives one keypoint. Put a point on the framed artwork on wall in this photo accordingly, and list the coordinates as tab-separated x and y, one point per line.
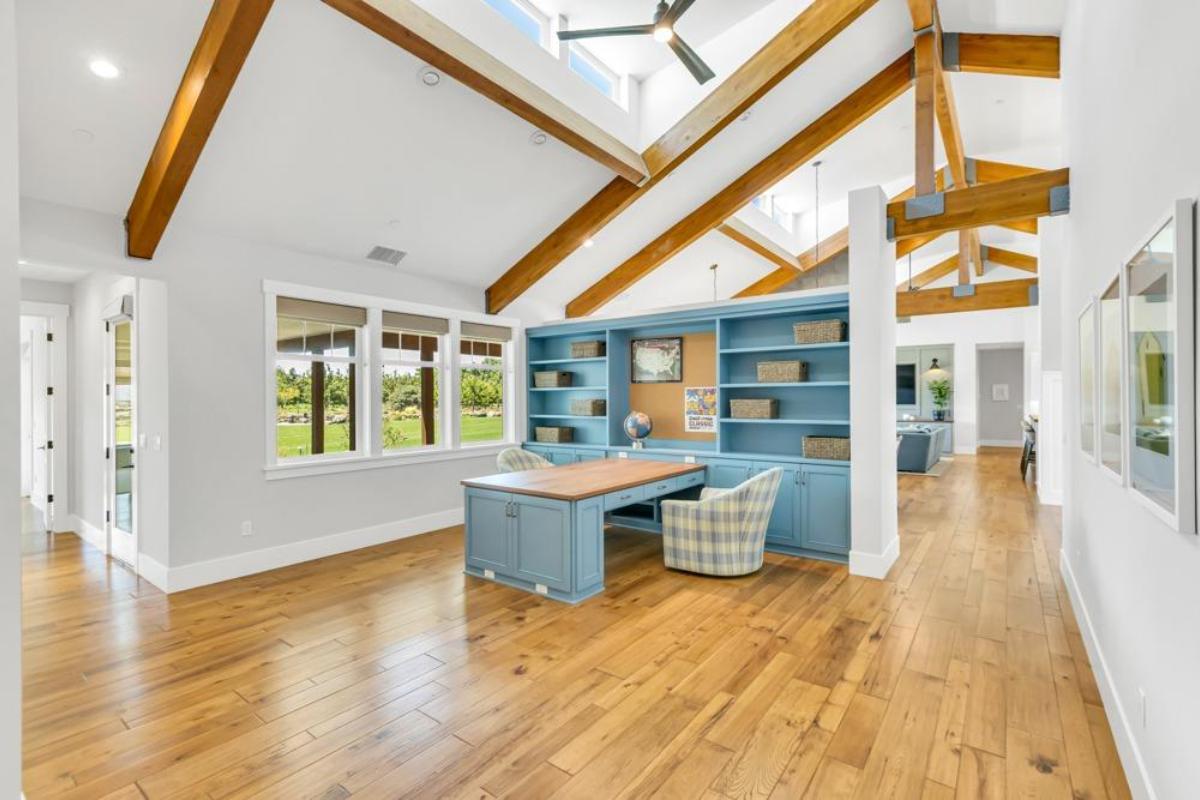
1110	417
1160	355
657	360
1087	380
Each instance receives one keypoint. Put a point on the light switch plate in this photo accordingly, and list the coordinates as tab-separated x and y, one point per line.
622	454
689	459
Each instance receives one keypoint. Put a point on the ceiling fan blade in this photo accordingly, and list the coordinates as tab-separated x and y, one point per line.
624	30
676	11
693	62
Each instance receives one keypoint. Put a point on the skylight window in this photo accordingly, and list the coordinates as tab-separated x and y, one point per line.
588	67
528	20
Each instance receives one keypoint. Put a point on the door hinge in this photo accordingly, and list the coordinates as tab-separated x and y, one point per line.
49	390
49	498
107	390
106	327
107	516
50	445
107	453
49	337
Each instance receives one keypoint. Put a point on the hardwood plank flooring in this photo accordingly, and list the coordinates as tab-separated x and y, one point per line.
387	673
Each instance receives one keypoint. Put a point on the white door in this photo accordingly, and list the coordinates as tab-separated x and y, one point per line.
119	455
40	422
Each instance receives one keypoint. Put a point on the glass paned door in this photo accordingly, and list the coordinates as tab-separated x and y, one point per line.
122	427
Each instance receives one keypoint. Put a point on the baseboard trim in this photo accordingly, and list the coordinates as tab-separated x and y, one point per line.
88	533
875	565
203	573
1049	497
965	451
154	571
1001	443
1127	747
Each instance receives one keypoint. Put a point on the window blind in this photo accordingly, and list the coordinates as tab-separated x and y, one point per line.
320	312
415	323
495	333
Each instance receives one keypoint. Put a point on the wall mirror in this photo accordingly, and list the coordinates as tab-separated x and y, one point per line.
1160	310
1087	380
1110	410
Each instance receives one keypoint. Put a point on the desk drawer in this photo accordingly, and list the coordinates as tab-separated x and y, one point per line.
624	497
659	488
689	480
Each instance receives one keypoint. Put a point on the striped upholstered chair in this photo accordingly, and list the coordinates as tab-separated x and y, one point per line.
516	459
723	532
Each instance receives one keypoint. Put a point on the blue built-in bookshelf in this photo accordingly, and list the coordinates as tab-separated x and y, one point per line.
812	512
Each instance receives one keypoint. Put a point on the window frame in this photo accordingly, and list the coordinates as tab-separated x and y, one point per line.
508	398
574	47
369	355
443	377
540	18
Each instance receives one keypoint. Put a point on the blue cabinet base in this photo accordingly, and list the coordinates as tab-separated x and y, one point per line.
572	597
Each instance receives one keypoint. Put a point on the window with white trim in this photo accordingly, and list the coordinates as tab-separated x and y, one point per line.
317	364
532	23
592	70
353	379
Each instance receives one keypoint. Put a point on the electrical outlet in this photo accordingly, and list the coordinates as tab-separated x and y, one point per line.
489	573
541	588
689	459
1142	696
622	454
247	528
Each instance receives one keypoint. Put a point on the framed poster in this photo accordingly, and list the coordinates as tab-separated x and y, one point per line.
1160	320
700	409
1087	380
657	360
1111	417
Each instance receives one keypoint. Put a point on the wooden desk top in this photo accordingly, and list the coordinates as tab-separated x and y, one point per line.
583	480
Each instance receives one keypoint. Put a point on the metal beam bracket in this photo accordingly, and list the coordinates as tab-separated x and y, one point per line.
972	170
891	229
950	59
1060	200
926	205
1033	295
983	252
964	290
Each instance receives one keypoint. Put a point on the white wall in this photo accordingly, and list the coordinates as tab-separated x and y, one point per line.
1132	113
215	438
967	332
10	521
46	291
1000	420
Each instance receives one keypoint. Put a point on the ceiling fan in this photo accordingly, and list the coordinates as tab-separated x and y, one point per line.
662	29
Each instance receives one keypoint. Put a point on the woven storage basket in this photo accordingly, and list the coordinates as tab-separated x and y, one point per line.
748	408
551	379
552	434
587	349
588	408
819	331
782	371
835	448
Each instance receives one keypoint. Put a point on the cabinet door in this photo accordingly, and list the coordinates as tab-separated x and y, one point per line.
589	455
825	508
783	527
487	530
559	457
724	474
542	541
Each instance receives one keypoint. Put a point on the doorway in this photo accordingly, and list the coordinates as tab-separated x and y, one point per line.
120	396
43	423
1001	375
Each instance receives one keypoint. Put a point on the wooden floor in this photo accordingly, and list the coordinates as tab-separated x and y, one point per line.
386	673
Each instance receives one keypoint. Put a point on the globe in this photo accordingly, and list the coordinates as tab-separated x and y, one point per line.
638	426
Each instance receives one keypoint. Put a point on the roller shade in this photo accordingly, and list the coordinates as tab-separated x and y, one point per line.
495	333
320	312
415	323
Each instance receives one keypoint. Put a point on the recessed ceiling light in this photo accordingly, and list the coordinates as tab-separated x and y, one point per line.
103	68
745	116
538	138
588	243
22	262
429	76
83	135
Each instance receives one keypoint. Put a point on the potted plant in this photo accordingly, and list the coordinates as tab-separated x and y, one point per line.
939	389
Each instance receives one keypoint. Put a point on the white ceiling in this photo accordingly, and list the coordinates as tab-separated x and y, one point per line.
641	55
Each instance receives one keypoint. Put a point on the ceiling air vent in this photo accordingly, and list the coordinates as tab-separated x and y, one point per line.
386	255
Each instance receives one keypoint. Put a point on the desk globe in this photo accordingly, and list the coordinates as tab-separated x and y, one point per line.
637	427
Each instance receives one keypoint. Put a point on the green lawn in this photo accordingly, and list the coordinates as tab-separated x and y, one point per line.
295	440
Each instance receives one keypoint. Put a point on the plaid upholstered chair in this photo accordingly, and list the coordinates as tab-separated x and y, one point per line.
515	459
723	532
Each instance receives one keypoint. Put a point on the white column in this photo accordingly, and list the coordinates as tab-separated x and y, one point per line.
10	480
874	539
1054	321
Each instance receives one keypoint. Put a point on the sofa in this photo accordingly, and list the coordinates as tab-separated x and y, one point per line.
920	448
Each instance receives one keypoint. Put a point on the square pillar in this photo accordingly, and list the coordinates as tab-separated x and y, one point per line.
874	527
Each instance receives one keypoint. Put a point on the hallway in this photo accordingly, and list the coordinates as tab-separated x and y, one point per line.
386	673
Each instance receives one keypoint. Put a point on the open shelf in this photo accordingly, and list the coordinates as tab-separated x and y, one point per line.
567	388
596	360
569	416
785	347
782	385
739	421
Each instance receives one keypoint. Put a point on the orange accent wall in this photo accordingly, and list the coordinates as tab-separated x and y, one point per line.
664	401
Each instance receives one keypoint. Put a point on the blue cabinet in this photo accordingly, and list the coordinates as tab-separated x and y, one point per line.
589	455
487	517
784	526
825	508
541	541
727	473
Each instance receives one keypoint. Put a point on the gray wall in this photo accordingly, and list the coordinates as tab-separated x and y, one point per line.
1000	421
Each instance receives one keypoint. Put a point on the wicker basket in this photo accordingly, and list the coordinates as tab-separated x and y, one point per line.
834	448
551	379
553	434
588	408
821	331
587	349
782	371
753	408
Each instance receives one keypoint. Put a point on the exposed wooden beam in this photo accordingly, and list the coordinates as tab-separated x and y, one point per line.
831	247
987	296
992	171
925	58
912	244
758	244
1002	54
778	58
877	92
228	34
985	204
1029	226
927	276
964	257
923	13
1011	258
407	25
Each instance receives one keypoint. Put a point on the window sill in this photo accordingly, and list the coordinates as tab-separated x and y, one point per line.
277	472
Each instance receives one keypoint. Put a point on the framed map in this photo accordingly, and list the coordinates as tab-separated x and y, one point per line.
657	360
